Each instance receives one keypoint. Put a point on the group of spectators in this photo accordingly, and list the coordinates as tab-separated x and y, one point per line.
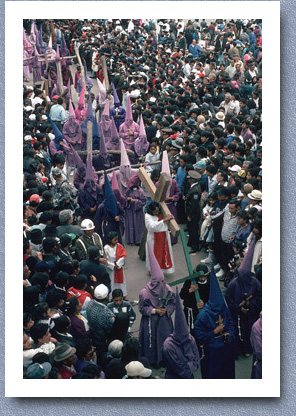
185	98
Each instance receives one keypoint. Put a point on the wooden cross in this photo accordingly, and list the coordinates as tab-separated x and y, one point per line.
220	322
158	195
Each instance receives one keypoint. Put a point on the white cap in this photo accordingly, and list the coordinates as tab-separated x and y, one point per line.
32	116
87	225
101	292
29	108
28	138
235	168
135	368
44	117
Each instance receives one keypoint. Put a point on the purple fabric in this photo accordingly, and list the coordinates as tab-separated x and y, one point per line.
134	216
104	223
118	111
102	161
124	130
90	195
244	283
256	342
154	330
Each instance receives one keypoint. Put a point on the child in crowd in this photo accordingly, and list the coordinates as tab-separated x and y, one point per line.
125	316
116	253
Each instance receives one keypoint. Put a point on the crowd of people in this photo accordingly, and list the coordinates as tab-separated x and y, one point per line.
184	100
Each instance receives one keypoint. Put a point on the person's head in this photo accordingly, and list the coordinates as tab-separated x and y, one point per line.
115	348
65	354
31	296
223	194
27	345
222	177
80	282
40	334
112	238
66	217
54	299
257	228
27	321
153	208
65	241
88	227
130	350
202	268
72	306
85	350
242	218
117	297
211	171
101	293
136	370
62	324
234	206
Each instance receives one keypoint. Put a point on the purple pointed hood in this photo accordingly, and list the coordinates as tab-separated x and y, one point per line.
78	161
109	201
157	275
181	329
165	167
129	113
141	145
134	181
89	175
244	273
71	109
88	81
114	185
81	98
103	92
102	146
216	303
116	99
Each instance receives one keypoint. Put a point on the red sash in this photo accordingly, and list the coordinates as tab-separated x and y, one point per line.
118	273
161	250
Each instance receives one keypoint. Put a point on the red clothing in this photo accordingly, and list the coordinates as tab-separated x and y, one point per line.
65	373
161	250
80	294
118	273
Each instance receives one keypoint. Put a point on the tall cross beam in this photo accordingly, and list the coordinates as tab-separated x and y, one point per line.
158	195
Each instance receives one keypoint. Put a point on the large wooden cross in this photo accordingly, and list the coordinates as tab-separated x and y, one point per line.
158	195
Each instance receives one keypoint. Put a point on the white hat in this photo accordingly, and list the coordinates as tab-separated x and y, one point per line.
29	108
135	368
255	195
28	138
44	117
87	225
135	94
32	116
235	168
101	292
220	116
51	136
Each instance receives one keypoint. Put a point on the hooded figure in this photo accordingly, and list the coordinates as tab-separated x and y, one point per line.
105	125
114	143
101	98
256	342
80	112
51	53
65	51
125	171
96	136
102	161
117	112
156	305
244	299
109	216
91	195
114	185
180	352
72	131
36	65
88	82
141	145
134	212
56	145
214	332
89	117
66	72
173	193
129	130
42	44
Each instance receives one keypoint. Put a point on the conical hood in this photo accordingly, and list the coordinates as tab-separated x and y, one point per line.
58	134
181	329
63	61
116	99
89	111
129	113
142	132
246	264
106	112
78	161
114	131
88	81
109	202
134	181
89	170
124	160
58	56
102	89
96	136
216	301
49	46
65	50
155	270
81	98
103	149
165	167
114	183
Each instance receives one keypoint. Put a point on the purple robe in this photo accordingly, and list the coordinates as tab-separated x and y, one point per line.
256	342
90	196
79	177
181	358
123	133
102	161
118	110
36	65
104	223
134	216
154	329
72	134
174	193
219	358
244	283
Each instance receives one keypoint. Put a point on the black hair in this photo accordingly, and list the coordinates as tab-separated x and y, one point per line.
80	281
152	207
83	346
41	279
111	235
40	358
117	293
61	323
40	311
31	297
26	318
38	331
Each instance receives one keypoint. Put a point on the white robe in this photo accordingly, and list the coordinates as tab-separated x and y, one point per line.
154	226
